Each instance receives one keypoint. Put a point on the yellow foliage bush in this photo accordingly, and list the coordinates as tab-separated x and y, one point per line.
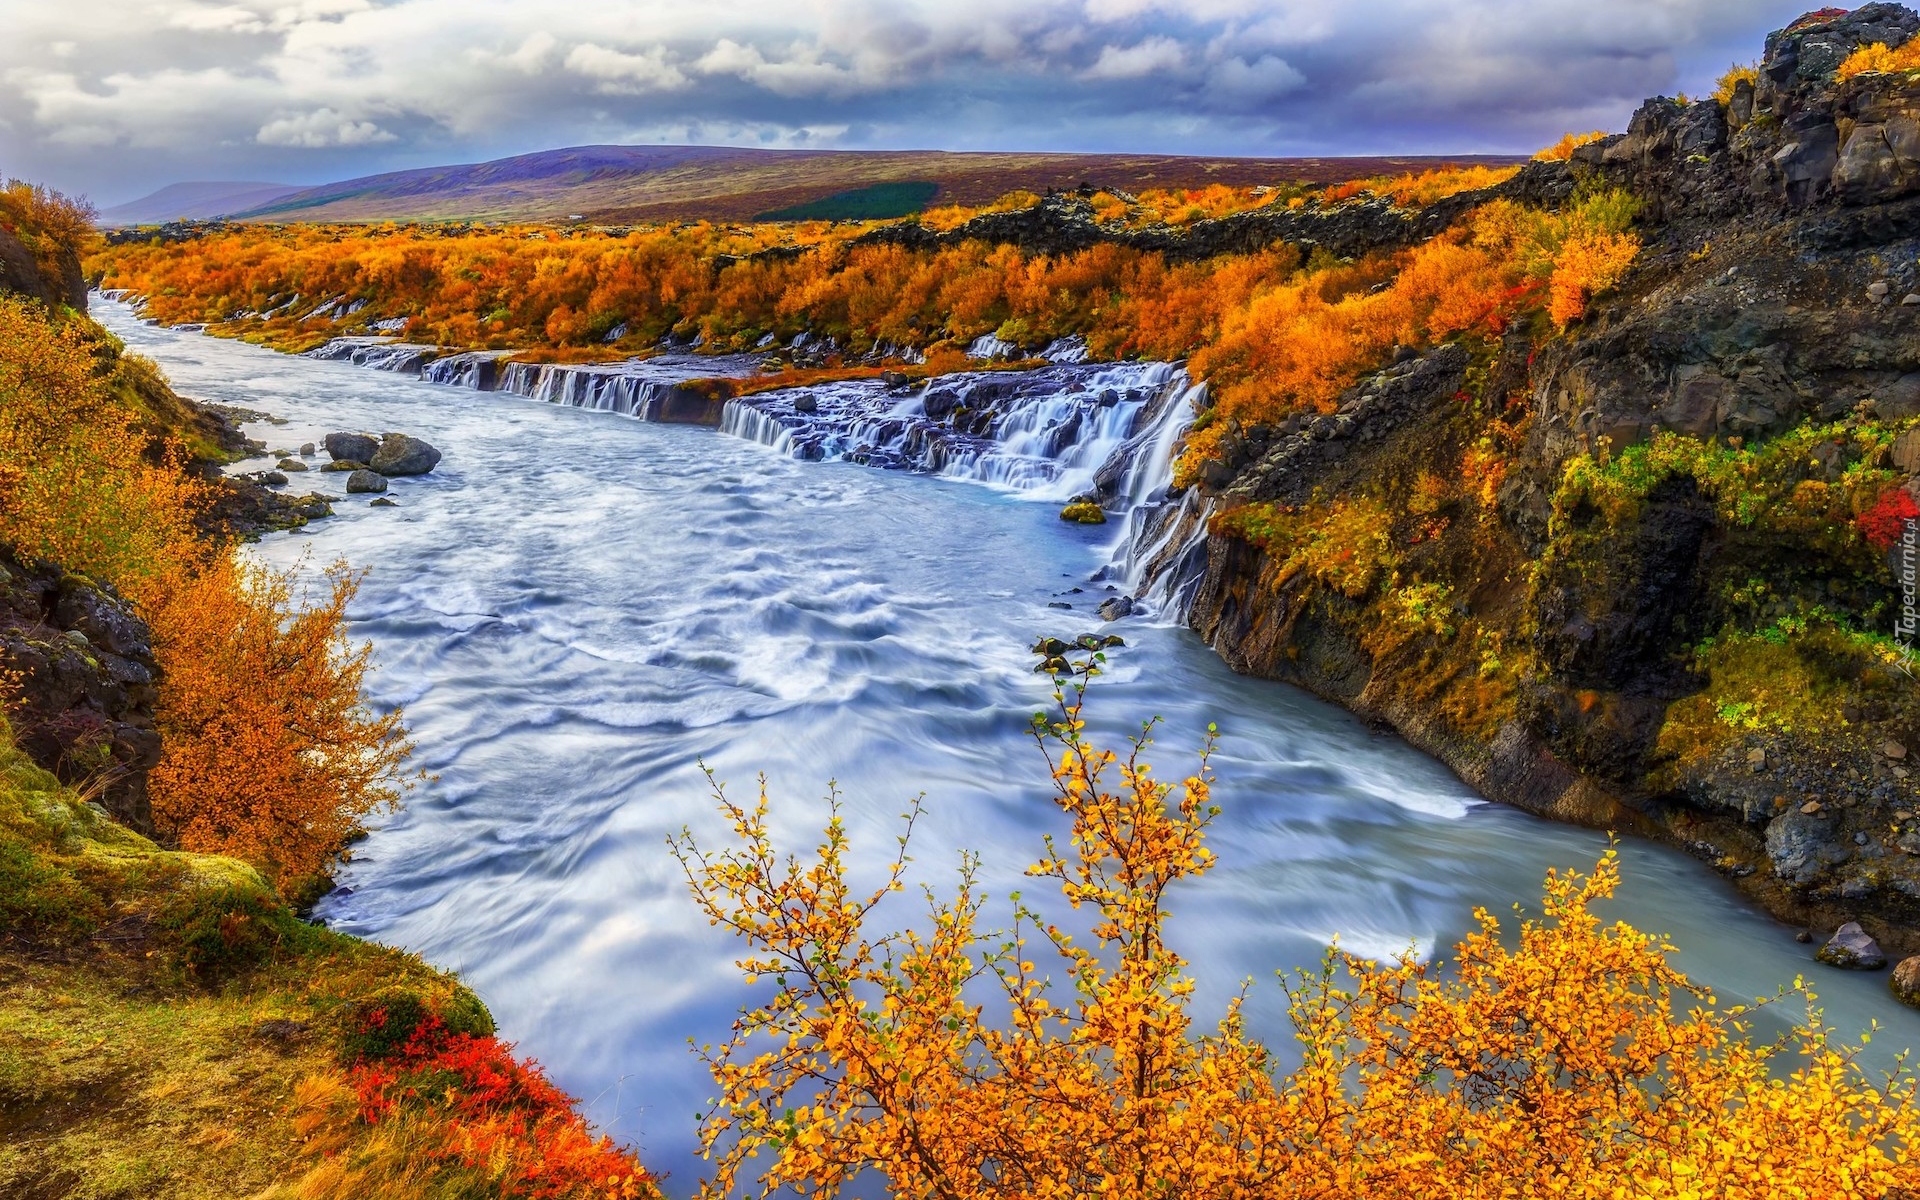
1736	75
1565	1058
1877	58
267	751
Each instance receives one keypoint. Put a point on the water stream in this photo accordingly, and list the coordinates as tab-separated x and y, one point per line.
578	608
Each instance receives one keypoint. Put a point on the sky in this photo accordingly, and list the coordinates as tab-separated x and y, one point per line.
115	98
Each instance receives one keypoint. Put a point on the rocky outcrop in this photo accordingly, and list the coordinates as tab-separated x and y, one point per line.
1550	646
79	664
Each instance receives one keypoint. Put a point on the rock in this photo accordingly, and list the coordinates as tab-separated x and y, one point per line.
1878	289
366	481
1910	299
1894	750
1905	983
273	479
806	403
1810	807
1116	607
1084	513
1851	949
1051	647
291	464
351	447
401	454
1060	604
345	464
382	502
306	449
894	379
80	675
1757	758
1906	451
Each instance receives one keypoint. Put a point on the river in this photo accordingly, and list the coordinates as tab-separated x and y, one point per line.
577	609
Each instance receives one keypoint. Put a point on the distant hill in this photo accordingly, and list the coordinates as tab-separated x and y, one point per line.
618	184
197	201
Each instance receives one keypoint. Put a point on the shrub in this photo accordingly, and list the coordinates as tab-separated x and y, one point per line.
1567	1057
1877	58
1736	75
1563	149
269	752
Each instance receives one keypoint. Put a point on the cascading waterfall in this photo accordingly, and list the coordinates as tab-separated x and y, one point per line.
1049	434
1070	429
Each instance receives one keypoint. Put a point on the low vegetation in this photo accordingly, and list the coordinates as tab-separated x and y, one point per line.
169	1029
1566	1056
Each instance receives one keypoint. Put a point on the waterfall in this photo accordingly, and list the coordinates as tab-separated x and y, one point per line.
1047	433
378	353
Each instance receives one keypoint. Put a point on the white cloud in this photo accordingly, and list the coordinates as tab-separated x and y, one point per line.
1151	56
620	73
319	129
306	88
1266	78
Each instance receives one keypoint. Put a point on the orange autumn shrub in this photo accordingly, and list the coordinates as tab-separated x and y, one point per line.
267	751
1563	149
270	753
1565	1058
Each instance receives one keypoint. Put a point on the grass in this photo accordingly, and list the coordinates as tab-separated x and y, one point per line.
877	202
170	1030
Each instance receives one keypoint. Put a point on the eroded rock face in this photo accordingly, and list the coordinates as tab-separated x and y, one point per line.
86	683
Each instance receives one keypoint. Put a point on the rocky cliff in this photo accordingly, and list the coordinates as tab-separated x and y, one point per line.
1647	573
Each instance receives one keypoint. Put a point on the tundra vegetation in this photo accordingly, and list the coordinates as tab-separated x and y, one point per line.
1679	604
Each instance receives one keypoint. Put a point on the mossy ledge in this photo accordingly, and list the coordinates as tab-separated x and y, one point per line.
169	1028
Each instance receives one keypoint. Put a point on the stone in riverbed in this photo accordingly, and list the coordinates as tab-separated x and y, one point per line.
1084	512
291	464
1114	608
366	481
382	502
1851	949
1906	982
400	454
351	447
345	464
306	449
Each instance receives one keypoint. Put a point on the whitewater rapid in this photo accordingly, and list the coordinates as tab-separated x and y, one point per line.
578	609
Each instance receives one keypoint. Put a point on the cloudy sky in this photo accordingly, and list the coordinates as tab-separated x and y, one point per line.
117	97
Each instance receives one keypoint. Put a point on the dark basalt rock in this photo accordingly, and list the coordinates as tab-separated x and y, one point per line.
351	447
85	678
401	454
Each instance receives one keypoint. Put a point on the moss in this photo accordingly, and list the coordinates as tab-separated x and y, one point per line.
163	1013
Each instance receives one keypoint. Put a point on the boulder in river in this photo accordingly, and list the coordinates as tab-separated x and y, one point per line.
1906	982
345	464
366	481
402	454
351	447
306	449
1084	512
291	464
1852	949
1115	607
806	403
